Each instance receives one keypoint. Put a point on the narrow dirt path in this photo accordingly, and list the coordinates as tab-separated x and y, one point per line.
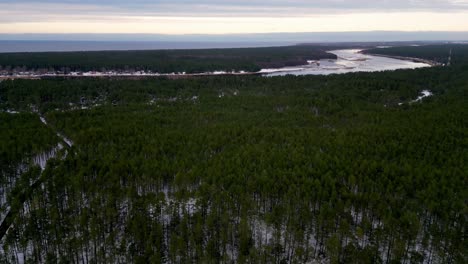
40	160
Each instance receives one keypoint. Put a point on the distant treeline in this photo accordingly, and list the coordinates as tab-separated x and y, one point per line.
437	53
165	61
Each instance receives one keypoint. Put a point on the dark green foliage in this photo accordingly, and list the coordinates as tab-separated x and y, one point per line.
251	169
22	136
438	53
166	61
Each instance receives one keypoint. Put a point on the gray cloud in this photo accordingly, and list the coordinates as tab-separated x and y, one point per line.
13	11
245	7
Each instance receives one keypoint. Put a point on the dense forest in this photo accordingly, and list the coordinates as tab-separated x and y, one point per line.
240	169
25	146
438	53
164	61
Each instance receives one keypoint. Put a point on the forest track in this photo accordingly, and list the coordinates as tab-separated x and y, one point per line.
11	215
66	140
26	194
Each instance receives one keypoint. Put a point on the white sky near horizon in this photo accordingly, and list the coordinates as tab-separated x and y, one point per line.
227	17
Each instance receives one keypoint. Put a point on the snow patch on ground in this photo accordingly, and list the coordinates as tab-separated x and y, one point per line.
218	72
42	158
13	112
170	207
65	139
222	94
262	232
424	94
288	69
43	120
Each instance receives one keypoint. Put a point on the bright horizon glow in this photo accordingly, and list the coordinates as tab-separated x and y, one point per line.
229	17
229	25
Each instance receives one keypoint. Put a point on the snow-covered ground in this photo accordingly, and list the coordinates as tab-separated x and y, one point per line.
349	60
40	160
118	74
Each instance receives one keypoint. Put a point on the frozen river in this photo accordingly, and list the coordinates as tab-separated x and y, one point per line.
349	60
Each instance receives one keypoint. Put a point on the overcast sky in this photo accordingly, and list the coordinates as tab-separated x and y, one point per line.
230	16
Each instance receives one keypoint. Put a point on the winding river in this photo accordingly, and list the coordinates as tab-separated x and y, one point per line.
349	60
